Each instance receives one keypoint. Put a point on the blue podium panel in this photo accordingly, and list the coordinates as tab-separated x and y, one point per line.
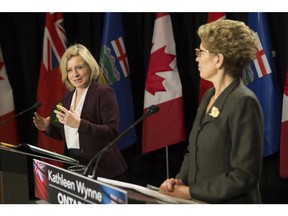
59	186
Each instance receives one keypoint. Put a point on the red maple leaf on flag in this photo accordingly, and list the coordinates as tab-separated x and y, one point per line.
159	62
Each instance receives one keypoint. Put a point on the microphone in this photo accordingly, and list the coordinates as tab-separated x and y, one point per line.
37	104
151	110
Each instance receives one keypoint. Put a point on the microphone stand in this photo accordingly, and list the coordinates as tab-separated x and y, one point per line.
37	104
151	110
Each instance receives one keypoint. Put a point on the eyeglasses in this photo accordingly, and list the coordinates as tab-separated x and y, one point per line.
78	68
199	51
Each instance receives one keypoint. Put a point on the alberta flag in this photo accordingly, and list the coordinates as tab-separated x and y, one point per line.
114	64
261	79
163	88
8	130
50	87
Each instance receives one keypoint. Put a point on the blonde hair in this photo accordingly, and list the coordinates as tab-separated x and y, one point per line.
235	40
84	53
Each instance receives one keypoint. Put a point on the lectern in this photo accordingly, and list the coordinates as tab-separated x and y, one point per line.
14	186
56	185
13	178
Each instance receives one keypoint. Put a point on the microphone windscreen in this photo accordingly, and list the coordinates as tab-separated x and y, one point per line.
153	109
37	104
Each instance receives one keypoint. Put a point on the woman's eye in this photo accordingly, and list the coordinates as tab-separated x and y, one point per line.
79	68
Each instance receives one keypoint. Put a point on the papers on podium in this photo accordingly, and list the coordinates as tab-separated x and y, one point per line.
148	192
34	151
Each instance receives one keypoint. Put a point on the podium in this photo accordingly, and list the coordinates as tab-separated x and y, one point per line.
56	185
14	163
13	178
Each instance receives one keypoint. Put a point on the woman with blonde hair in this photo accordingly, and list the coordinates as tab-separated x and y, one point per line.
88	114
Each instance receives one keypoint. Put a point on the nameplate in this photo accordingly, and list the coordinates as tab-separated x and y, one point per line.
56	185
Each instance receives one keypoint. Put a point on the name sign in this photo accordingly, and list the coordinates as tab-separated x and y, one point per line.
59	186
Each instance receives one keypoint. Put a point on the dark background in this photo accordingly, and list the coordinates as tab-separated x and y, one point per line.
21	39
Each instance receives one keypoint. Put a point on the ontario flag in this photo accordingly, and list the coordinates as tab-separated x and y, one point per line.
261	79
204	85
8	128
50	87
41	181
163	88
284	133
115	66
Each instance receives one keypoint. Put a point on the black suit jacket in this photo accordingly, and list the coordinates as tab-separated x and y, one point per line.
225	151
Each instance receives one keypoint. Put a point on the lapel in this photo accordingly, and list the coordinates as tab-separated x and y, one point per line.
87	102
66	101
219	103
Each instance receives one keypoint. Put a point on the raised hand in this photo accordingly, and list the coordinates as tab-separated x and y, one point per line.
40	122
68	117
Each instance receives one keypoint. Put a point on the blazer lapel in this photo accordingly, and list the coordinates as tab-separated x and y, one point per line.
218	104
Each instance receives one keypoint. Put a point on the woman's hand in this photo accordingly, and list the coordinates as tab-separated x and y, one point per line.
40	122
176	188
68	117
168	185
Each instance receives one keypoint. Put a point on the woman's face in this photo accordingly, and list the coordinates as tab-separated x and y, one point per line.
206	63
78	72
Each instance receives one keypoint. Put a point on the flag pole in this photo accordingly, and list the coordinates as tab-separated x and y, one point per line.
167	163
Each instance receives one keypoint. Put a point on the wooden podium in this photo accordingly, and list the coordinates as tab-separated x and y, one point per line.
14	164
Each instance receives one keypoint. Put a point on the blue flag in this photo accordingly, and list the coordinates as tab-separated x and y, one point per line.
261	79
114	63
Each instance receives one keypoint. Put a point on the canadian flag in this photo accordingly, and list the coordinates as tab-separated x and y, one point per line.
8	129
284	133
163	88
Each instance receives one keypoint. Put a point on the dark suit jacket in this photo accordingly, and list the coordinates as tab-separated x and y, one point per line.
98	127
225	152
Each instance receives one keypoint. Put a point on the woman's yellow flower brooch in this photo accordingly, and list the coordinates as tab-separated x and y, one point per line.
214	112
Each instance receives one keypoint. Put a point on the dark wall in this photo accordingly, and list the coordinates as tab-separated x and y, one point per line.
21	38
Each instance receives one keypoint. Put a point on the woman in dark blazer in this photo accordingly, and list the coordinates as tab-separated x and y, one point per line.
224	159
87	115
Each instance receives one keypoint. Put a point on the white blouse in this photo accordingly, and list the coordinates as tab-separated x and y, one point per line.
71	134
